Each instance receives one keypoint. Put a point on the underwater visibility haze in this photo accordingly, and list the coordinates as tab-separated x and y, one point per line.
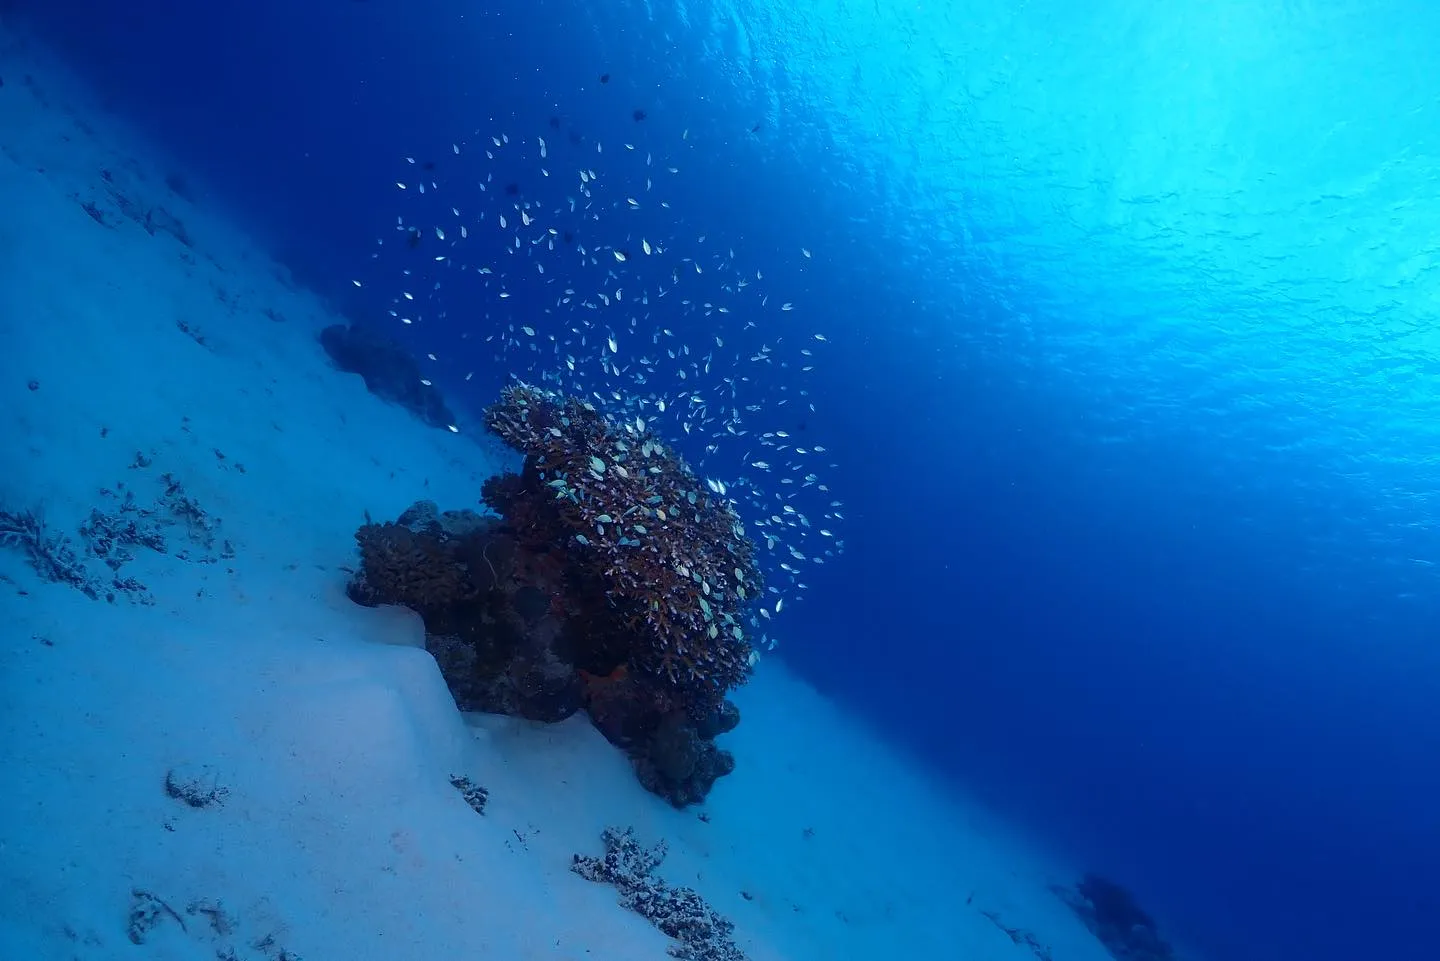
1073	368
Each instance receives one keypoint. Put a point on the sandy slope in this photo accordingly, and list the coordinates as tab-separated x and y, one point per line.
126	356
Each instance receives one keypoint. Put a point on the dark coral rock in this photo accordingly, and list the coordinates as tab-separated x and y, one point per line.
545	690
486	553
1110	912
1113	905
535	688
675	748
680	765
531	603
723	764
389	372
198	787
613	580
722	720
619	709
421	517
460	666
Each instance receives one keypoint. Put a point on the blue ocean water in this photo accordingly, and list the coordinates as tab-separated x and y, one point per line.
1126	377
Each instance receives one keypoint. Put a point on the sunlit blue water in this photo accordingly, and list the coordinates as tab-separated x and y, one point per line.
1131	372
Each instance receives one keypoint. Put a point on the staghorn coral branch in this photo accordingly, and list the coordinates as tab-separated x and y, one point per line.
50	555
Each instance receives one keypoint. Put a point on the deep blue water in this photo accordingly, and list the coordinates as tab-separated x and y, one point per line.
1130	374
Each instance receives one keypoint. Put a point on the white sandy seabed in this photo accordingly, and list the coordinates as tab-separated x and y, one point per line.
326	727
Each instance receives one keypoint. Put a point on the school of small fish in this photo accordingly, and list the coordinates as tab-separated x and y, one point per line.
594	239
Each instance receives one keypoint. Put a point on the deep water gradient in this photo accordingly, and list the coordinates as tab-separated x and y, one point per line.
1133	381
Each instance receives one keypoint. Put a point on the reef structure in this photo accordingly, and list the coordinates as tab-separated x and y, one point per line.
613	580
1112	914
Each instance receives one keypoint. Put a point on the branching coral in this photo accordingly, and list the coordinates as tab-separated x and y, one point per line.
674	560
414	569
49	553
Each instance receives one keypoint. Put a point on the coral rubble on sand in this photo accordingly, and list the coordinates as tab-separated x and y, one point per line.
681	913
172	523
